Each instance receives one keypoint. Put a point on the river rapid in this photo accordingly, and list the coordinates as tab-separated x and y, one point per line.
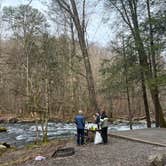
20	134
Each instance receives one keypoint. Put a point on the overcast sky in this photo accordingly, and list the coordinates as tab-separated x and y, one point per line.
98	32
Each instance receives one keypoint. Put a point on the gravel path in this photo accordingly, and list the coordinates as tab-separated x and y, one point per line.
118	152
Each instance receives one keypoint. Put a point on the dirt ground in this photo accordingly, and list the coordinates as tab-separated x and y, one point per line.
17	157
118	152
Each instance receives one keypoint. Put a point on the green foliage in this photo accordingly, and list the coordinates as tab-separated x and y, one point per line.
158	22
160	81
114	76
3	129
122	71
24	20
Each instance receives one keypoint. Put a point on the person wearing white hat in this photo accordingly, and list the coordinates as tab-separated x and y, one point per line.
80	124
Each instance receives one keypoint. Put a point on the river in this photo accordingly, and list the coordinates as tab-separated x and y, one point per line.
20	134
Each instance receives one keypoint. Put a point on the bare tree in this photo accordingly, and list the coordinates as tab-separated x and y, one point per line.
80	25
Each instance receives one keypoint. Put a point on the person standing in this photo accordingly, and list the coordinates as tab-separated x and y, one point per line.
104	127
80	124
97	119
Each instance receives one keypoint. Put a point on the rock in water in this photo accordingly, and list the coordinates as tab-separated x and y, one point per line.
13	120
2	129
6	144
2	149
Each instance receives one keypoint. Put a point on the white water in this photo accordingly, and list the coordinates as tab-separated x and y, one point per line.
20	134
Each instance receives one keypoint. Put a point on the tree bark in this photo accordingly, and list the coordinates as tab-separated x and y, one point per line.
159	117
142	57
127	86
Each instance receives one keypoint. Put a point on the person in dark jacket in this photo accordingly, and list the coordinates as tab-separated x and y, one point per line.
80	123
104	127
97	119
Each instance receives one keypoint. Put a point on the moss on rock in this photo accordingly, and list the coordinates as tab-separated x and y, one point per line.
3	129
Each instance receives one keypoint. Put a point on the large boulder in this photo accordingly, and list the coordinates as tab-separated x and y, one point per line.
3	120
6	144
157	160
3	129
2	149
13	120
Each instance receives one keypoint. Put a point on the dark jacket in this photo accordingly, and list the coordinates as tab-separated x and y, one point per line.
97	119
80	121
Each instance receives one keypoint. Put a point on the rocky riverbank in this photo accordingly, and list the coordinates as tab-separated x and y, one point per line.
118	152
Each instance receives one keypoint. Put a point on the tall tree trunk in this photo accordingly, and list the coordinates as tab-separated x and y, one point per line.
144	71
81	36
127	85
158	110
145	101
72	55
142	56
159	117
74	80
27	77
128	12
80	27
45	113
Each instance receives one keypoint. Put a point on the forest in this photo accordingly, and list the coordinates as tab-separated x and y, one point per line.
49	69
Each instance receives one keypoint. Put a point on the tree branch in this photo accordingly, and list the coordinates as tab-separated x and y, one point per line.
62	4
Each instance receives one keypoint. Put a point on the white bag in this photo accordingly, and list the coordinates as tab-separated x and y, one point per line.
98	138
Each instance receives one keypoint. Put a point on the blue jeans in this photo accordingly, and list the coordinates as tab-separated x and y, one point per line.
80	136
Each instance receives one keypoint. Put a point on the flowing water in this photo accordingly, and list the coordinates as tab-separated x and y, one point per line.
20	134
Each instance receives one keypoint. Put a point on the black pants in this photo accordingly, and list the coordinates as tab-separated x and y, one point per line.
80	136
104	134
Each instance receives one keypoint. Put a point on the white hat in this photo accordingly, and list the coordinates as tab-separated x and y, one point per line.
80	112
